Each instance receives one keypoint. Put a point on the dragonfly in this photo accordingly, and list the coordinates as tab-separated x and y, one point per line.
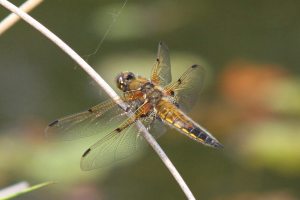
155	102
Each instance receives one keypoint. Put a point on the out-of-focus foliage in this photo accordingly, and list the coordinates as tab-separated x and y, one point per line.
251	99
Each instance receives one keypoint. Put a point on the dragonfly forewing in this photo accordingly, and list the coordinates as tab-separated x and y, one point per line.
98	119
113	147
120	143
161	72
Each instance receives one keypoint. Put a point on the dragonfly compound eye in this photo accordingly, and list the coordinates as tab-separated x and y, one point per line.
124	79
130	76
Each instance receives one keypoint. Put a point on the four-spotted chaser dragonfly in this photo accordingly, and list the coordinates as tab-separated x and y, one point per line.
154	102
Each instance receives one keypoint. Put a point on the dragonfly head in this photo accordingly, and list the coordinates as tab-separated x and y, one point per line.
124	79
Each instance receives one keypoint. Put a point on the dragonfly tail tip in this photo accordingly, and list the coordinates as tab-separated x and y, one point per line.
218	145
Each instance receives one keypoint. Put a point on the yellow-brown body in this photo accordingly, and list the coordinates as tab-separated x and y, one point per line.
175	118
154	98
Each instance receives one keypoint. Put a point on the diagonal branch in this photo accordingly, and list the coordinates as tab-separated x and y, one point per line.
11	19
96	77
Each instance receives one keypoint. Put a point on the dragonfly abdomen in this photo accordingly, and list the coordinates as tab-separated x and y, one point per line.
204	137
177	119
199	134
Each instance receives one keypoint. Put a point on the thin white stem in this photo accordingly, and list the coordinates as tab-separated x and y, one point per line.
11	19
13	189
96	77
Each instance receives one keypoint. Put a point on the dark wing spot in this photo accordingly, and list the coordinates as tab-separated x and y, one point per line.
86	152
157	59
90	110
179	81
118	130
53	123
172	93
194	66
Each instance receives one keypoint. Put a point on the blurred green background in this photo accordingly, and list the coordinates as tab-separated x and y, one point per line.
251	99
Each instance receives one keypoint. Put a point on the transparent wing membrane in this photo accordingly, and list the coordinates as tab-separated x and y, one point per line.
118	145
188	87
161	72
113	147
100	118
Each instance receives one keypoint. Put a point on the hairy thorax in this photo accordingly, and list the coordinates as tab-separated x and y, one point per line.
151	93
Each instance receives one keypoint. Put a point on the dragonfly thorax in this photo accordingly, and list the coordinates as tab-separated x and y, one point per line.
152	94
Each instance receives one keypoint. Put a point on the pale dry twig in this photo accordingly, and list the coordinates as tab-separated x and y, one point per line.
11	19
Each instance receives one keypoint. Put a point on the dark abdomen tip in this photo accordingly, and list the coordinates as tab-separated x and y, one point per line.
206	138
218	145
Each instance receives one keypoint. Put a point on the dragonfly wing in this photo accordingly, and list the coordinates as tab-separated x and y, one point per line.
161	72
100	118
117	145
187	88
113	147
